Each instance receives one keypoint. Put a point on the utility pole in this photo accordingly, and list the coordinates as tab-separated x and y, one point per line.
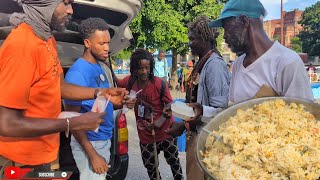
281	24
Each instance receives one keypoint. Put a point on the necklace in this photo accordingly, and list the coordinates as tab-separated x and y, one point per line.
56	62
193	80
101	76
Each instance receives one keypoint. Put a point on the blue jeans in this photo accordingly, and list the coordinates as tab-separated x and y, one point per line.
82	161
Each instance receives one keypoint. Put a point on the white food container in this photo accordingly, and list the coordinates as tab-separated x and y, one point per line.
182	110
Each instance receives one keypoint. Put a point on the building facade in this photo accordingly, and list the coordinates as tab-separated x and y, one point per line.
291	27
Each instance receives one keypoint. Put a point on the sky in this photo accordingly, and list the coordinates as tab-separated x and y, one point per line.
273	6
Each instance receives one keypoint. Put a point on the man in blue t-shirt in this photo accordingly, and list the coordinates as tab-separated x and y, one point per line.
91	150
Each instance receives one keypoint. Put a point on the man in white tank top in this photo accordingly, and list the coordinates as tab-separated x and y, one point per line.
262	63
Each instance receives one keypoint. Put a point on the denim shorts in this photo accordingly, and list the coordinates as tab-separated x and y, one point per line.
82	161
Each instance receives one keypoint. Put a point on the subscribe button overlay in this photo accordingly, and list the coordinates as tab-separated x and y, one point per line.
13	172
47	175
27	173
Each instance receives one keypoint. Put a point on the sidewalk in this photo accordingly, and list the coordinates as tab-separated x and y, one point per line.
177	94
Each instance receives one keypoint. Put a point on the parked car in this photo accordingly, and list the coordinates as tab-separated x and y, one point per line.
118	14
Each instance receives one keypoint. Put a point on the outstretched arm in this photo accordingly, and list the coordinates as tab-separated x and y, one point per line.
14	124
74	92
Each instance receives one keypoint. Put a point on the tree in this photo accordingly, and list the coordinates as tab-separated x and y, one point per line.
159	26
162	24
315	50
296	44
310	36
190	9
123	54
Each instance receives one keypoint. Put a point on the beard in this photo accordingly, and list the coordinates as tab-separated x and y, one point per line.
98	58
59	24
195	50
238	44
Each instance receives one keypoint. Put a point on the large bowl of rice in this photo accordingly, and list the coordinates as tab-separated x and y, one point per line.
265	138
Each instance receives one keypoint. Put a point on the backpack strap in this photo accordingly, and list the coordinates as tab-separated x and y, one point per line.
163	85
130	83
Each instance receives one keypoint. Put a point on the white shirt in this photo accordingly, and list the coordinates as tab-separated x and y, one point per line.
161	68
279	68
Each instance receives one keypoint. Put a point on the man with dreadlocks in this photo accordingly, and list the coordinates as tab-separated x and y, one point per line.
151	100
207	87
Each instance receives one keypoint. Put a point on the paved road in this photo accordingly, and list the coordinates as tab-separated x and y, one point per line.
136	169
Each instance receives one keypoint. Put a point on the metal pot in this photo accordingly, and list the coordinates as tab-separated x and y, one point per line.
224	116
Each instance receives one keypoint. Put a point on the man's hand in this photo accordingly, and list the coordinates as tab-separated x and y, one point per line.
87	121
150	126
158	123
118	95
198	110
128	102
99	164
167	112
176	129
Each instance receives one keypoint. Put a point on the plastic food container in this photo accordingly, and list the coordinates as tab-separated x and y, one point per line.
182	110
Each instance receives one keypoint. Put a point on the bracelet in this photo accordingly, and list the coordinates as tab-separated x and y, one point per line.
96	91
187	125
68	128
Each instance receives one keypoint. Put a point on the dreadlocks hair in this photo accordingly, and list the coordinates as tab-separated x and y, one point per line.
201	29
135	61
88	26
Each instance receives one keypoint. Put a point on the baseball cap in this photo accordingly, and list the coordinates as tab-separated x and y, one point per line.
234	8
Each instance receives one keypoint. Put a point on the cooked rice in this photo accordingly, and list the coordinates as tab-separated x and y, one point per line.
273	140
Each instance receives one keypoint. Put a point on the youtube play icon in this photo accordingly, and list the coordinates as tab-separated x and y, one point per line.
12	172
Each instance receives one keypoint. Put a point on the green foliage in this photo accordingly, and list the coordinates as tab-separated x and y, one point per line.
296	44
158	25
123	54
315	51
162	24
310	36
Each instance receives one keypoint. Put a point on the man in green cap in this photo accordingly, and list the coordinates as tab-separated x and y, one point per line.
263	68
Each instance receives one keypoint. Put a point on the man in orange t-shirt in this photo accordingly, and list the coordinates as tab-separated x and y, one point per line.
31	83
